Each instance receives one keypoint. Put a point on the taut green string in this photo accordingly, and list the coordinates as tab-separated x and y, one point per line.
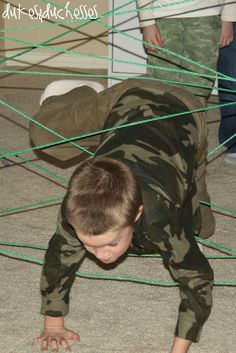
43	25
106	58
35	165
122	278
222	144
60	35
214	205
33	205
111	129
107	277
160	48
122	76
24	115
41	247
219	74
55	201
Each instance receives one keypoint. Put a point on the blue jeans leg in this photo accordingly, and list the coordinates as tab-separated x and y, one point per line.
227	66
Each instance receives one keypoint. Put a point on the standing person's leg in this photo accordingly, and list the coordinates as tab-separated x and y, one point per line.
227	66
173	36
202	46
207	29
182	36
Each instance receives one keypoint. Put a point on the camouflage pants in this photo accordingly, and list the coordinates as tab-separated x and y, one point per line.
207	217
194	38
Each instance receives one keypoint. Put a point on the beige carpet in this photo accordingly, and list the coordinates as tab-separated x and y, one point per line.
110	316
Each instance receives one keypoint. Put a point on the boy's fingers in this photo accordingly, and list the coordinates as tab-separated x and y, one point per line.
150	48
54	344
159	40
73	336
65	345
44	345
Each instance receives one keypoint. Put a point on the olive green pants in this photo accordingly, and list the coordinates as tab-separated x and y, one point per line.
196	39
82	111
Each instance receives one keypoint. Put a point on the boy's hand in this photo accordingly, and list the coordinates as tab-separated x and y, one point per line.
55	338
227	33
55	335
152	35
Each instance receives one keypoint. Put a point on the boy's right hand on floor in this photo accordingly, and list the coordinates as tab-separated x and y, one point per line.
55	335
55	338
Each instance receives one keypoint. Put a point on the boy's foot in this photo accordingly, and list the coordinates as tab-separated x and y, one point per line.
59	87
230	158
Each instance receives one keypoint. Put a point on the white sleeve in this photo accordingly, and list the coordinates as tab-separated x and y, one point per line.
228	12
146	17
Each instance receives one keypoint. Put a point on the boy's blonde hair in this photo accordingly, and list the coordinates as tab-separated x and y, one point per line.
103	194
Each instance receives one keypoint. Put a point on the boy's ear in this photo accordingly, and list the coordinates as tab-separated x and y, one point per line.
138	214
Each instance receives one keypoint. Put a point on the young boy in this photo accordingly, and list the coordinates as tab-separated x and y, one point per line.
138	193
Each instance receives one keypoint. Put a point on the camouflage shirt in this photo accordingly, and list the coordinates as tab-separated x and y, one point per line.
162	154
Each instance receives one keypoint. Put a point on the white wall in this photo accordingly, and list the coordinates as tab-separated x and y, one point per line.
91	39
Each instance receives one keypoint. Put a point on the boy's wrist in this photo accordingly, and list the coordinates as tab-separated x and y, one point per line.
52	323
180	345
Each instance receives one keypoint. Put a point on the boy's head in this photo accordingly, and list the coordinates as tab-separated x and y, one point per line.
102	204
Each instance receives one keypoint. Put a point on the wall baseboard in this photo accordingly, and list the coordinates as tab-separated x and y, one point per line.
58	60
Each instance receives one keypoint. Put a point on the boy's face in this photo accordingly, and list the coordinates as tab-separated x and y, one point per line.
109	246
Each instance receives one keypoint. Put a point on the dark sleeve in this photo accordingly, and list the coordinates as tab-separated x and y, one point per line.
171	228
62	259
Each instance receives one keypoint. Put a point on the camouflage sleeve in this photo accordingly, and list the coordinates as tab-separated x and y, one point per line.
170	230
63	257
